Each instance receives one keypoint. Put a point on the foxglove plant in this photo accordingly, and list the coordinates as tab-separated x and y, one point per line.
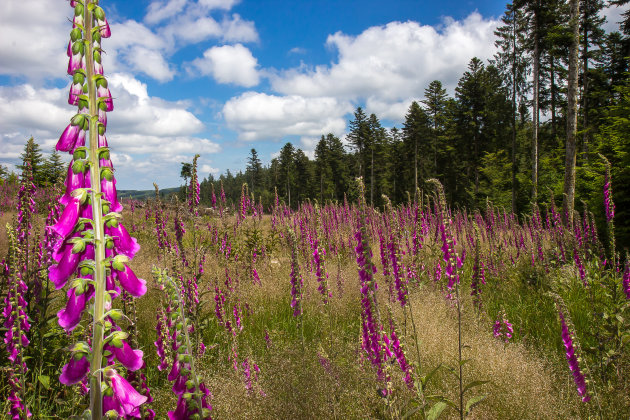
609	207
17	325
194	190
93	244
626	280
370	316
502	328
571	347
296	283
192	393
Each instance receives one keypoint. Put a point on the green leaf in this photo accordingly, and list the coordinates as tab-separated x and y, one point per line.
474	384
473	402
45	381
436	410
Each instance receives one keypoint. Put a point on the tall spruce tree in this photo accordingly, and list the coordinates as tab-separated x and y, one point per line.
512	64
33	154
254	170
416	144
287	172
359	138
435	106
54	168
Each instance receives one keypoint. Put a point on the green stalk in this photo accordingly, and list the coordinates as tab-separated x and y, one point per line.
96	397
193	372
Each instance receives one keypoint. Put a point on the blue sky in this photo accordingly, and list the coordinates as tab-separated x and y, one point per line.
219	77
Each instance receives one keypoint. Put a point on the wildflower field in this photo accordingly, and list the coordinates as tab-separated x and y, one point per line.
165	308
330	311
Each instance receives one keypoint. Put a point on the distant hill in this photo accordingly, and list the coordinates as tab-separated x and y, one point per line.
144	194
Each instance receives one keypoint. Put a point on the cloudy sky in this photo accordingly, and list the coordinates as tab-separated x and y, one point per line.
219	77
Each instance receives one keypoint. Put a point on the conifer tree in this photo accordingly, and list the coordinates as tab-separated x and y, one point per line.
32	153
254	169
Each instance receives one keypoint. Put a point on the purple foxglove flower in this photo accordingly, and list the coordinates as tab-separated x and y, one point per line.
626	281
104	93
69	138
126	398
128	357
74	371
123	242
70	316
73	181
75	90
74	63
77	21
104	28
69	51
102	140
109	193
98	68
181	411
174	373
68	219
133	285
102	118
68	264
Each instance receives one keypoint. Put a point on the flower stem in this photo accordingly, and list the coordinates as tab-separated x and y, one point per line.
96	397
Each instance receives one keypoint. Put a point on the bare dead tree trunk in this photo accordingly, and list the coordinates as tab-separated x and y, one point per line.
569	167
536	77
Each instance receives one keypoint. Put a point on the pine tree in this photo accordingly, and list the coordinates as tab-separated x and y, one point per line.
32	152
54	168
359	138
416	137
287	175
512	65
435	103
303	176
592	34
338	160
254	170
532	10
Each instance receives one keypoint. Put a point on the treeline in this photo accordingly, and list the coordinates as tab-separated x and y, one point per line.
502	137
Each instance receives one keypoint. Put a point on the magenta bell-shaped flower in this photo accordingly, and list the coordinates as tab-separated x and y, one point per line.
75	90
104	28
68	219
68	264
70	316
73	182
128	357
108	189
104	93
69	138
126	399
102	118
74	371
133	285
75	62
123	242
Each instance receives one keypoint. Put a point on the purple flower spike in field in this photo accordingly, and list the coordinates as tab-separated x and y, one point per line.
93	247
572	359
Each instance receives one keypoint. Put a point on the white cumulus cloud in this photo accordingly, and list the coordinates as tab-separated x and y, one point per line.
261	116
228	64
383	69
33	38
